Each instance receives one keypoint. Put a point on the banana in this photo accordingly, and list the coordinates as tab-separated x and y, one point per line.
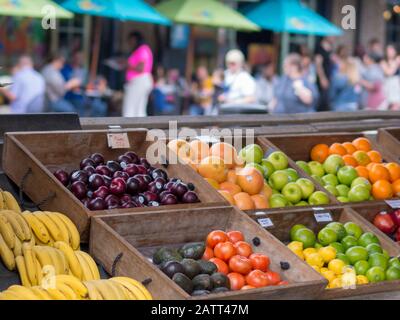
7	232
71	258
93	293
17	247
23	274
56	294
14	222
67	291
40	292
135	283
134	290
2	203
39	271
74	283
73	231
27	293
57	263
7	255
43	256
87	273
54	231
125	291
64	262
60	224
30	263
91	263
106	291
8	295
22	222
38	228
11	202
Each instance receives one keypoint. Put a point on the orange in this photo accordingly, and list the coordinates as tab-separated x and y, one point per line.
226	152
213	183
199	150
266	191
394	171
350	148
213	168
362	144
232	177
319	153
349	160
228	197
230	187
244	201
375	156
337	148
250	180
396	188
362	172
260	201
362	158
370	165
180	147
382	190
378	172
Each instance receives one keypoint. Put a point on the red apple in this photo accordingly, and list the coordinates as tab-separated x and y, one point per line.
396	217
384	222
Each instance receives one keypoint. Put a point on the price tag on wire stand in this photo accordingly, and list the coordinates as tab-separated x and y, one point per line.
394	204
321	217
265	222
118	140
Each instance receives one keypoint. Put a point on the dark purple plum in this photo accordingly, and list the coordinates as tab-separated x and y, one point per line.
191	186
144	162
133	186
113	166
90	194
96	181
160	180
150	196
104	170
159	173
153	204
168	186
128	205
118	186
121	174
163	194
62	176
101	192
140	198
112	201
85	202
179	189
79	189
190	197
125	159
125	198
87	162
97	158
97	204
134	157
80	175
169	200
90	170
141	169
143	184
131	169
155	187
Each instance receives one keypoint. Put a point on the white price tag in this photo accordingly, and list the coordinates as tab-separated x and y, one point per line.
323	217
118	140
394	204
265	222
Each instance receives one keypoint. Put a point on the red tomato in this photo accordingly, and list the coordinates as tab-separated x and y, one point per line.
236	280
235	236
273	277
257	279
283	283
208	254
247	287
224	251
260	262
243	249
216	237
240	264
221	265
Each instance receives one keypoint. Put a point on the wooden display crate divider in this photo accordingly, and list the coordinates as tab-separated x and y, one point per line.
390	139
134	237
282	223
44	152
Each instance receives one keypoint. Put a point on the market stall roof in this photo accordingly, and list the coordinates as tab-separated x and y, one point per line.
134	10
210	13
32	9
289	16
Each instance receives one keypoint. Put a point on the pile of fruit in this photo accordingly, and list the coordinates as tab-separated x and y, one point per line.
353	172
222	263
389	223
128	182
344	254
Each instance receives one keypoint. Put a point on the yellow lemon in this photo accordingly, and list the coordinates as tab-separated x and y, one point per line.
335	283
327	253
329	275
362	280
295	246
324	269
314	259
337	266
316	269
309	251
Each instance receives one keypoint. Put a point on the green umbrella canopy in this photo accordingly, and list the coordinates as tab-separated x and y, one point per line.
32	9
210	13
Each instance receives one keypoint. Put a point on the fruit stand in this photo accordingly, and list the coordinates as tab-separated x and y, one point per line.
308	210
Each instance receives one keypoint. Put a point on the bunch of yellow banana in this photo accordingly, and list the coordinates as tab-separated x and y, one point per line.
8	202
50	227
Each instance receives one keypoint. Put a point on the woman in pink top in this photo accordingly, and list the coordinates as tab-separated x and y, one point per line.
139	81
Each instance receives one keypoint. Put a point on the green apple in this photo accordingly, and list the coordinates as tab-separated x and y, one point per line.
316	169
343	190
318	179
259	167
359	193
292	192
268	168
332	190
302	204
275	191
307	187
363	181
330	179
304	165
278	201
333	163
278	180
293	175
252	153
318	198
279	160
347	175
343	199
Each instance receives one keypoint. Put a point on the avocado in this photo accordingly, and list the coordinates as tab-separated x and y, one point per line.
191	267
207	267
202	282
220	280
200	293
166	254
184	282
172	267
220	290
193	250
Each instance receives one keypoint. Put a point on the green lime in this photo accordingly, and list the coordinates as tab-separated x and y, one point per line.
374	248
368	238
378	260
357	253
386	254
338	228
393	273
394	262
361	267
343	257
348	242
338	246
327	236
376	274
318	245
295	228
353	230
306	236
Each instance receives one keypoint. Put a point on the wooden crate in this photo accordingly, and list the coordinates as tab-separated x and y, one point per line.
390	139
136	237
44	152
282	223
